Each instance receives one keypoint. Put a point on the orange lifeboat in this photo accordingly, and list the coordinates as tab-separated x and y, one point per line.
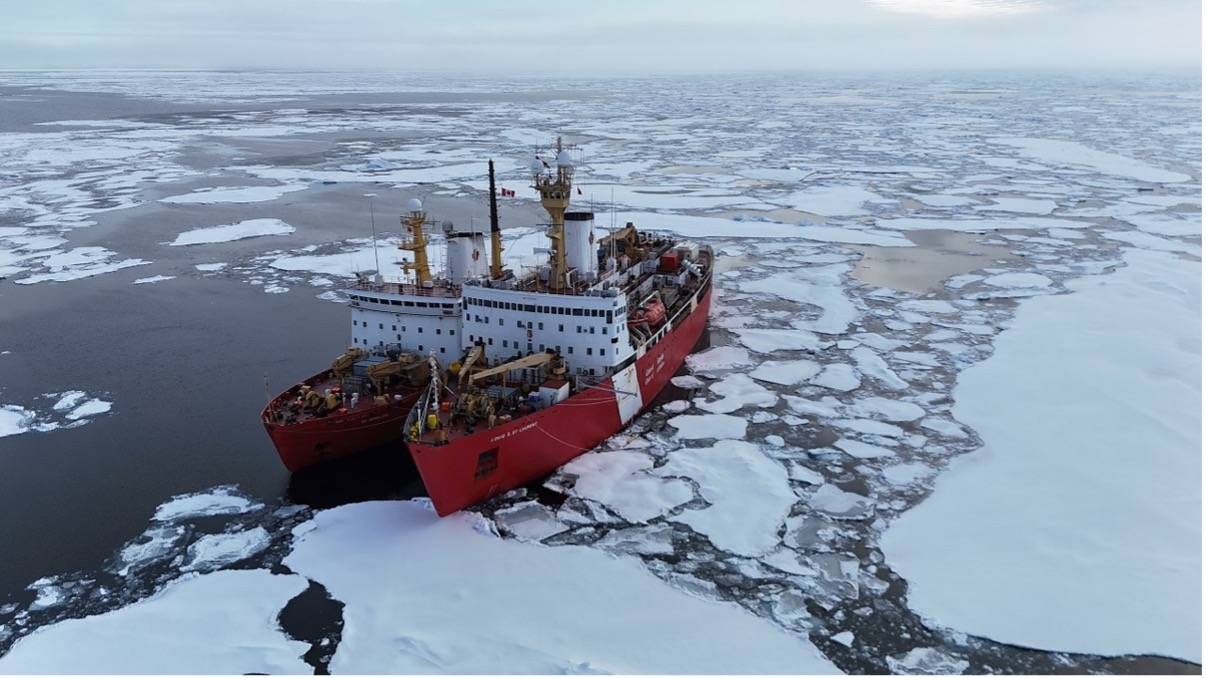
653	312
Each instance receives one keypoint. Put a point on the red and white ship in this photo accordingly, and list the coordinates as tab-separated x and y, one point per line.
553	362
363	400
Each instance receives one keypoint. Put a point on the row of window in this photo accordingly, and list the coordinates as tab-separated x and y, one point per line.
539	325
506	343
381	326
400	302
538	308
366	343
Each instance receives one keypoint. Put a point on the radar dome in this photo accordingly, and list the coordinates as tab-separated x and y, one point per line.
537	166
563	159
415	205
447	226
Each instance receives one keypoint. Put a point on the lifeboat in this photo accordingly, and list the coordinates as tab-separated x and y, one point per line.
653	312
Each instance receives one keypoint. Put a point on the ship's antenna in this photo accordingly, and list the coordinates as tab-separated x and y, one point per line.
373	223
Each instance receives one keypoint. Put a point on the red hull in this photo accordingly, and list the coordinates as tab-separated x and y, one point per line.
322	439
476	467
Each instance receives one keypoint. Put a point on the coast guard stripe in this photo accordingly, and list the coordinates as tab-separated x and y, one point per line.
628	393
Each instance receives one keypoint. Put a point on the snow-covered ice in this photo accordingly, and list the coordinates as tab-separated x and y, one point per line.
1089	479
250	228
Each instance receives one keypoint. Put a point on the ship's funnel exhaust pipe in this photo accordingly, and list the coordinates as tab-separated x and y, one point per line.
496	270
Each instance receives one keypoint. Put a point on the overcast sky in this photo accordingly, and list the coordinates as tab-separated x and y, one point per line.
601	36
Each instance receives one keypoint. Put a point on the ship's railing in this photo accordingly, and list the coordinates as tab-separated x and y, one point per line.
440	289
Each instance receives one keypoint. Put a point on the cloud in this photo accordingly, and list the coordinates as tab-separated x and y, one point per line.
963	9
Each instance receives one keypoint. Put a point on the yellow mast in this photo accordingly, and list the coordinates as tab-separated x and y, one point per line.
496	269
415	241
554	189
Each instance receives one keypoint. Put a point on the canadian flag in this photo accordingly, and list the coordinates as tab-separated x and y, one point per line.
506	193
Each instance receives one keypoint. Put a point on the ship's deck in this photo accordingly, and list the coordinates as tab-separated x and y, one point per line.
439	289
287	408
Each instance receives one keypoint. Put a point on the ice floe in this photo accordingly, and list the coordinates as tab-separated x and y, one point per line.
250	228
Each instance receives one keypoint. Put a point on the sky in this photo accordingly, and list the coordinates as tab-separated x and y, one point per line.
603	38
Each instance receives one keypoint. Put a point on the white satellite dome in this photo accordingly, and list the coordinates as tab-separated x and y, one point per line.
537	166
563	159
447	226
415	205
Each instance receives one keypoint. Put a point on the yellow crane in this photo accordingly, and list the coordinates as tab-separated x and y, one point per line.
534	360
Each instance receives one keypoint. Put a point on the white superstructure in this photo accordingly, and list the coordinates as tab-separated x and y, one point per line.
593	314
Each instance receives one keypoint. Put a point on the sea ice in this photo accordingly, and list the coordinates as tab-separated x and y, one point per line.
747	492
868	426
761	340
785	373
873	367
250	228
243	194
704	426
719	358
621	481
861	450
906	474
927	661
838	503
462	590
1020	539
845	638
838	377
89	408
191	626
737	391
213	551
153	279
216	501
888	409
